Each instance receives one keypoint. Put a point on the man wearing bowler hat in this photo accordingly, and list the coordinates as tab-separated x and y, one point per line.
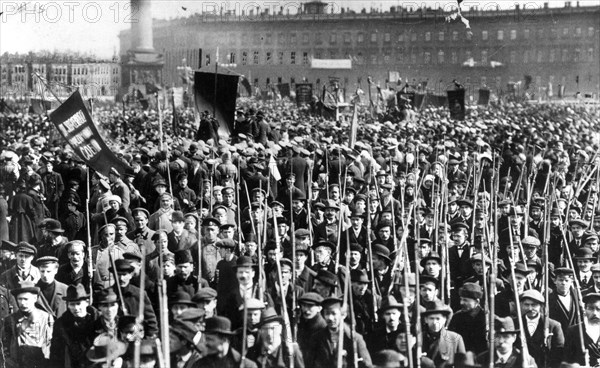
547	351
131	297
382	267
363	301
73	332
27	333
386	336
574	352
179	238
220	353
584	258
272	349
54	243
506	354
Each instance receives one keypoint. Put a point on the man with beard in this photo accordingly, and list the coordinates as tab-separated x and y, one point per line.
386	336
470	321
131	297
272	351
220	353
546	352
76	271
573	352
328	229
362	300
73	334
54	244
311	319
184	279
505	353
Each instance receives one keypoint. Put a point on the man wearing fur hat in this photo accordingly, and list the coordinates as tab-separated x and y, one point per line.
470	321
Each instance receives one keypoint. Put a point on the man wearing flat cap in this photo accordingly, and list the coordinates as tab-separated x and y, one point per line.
131	297
27	333
310	320
562	303
546	350
574	352
23	270
470	321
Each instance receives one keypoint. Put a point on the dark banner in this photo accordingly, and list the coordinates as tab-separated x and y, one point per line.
407	96
284	89
484	97
223	93
75	124
304	92
39	106
456	104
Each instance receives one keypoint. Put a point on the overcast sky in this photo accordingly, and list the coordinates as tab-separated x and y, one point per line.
93	26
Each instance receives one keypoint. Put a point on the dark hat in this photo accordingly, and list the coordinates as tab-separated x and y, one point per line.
432	256
521	269
183	256
435	307
269	315
159	182
8	246
118	219
303	248
75	293
25	287
45	260
125	321
191	314
383	224
181	297
504	325
563	271
458	226
330	301
382	251
325	243
388	358
327	278
464	202
157	234
122	266
211	221
579	222
105	349
131	256
177	216
359	276
310	298
532	294
218	325
204	294
244	261
355	247
591	298
225	243
389	302
584	253
114	172
106	296
423	279
470	290
54	226
24	247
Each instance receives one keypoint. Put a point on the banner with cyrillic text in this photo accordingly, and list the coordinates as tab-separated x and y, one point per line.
75	124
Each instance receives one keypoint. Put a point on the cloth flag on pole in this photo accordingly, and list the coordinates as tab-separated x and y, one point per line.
225	98
354	127
75	124
275	174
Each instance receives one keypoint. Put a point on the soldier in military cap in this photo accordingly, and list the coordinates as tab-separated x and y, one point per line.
51	294
121	239
210	253
225	271
142	234
27	333
161	218
132	296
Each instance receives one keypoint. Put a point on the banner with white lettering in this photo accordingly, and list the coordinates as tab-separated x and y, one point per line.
75	124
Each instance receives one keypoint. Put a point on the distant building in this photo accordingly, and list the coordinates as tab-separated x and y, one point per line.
556	46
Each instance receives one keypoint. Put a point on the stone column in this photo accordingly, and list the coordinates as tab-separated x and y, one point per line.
141	26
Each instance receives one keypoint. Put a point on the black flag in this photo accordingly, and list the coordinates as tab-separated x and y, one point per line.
456	104
226	94
484	96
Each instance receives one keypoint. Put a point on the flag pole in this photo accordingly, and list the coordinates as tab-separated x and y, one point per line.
215	94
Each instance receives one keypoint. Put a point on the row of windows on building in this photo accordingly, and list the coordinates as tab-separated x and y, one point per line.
409	56
319	38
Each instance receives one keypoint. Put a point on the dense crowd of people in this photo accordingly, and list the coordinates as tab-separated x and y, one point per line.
426	242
